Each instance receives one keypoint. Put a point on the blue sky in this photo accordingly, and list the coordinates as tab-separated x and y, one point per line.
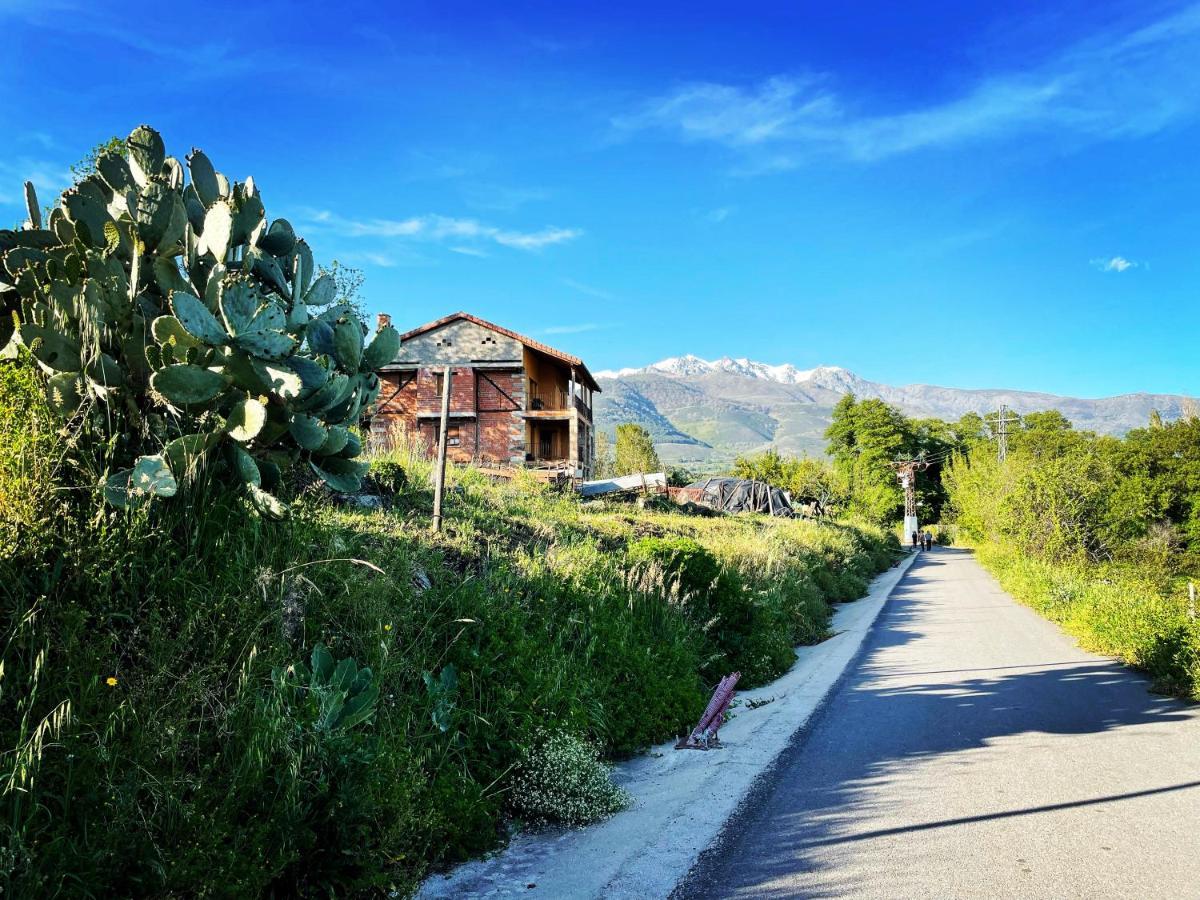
977	195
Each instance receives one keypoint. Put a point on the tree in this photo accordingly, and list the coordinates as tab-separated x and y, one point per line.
87	166
605	467
1046	433
114	146
768	466
864	438
348	282
969	431
635	451
806	480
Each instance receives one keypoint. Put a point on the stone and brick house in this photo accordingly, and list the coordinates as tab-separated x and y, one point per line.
513	400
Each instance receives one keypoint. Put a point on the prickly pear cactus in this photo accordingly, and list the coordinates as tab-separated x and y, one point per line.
160	301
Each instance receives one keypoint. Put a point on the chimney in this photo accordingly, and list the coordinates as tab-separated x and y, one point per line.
382	321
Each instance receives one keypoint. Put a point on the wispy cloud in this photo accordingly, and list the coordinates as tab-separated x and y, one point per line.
220	59
1115	264
500	198
718	215
572	329
928	247
380	259
535	240
49	179
437	228
468	251
587	289
1116	85
445	163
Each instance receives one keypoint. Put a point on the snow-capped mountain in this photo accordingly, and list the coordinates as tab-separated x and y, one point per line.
705	411
690	366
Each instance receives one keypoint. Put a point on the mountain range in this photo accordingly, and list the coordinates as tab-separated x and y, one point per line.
703	413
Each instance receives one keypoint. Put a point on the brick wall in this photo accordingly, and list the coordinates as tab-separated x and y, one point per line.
494	431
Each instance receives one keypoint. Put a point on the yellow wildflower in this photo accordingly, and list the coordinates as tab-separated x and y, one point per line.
111	681
387	627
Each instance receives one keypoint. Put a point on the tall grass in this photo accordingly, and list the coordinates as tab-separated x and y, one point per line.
145	750
1115	610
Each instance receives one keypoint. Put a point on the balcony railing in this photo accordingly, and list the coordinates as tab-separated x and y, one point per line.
548	399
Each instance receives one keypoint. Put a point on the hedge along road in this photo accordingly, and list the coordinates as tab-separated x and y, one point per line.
972	750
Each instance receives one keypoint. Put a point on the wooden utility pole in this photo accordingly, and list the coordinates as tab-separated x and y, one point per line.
439	486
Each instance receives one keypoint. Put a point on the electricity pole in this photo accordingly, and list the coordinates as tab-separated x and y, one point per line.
906	474
1002	420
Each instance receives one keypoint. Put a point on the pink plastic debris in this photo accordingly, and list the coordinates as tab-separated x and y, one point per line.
704	735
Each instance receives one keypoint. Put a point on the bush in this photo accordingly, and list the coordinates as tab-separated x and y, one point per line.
1112	610
217	775
562	780
387	476
715	600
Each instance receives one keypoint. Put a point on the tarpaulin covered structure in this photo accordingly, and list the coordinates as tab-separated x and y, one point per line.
735	495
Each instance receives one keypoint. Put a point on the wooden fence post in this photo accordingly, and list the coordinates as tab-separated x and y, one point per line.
439	486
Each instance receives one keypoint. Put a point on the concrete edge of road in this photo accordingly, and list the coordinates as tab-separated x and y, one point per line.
682	799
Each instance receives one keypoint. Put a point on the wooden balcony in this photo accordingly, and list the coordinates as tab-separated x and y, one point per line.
550	399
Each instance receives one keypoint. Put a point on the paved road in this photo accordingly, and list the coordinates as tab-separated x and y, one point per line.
973	751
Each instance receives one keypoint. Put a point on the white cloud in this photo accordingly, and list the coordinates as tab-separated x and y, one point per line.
571	329
537	239
587	289
1116	85
438	228
49	180
1114	264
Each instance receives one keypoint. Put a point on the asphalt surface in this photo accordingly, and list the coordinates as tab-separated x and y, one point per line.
972	750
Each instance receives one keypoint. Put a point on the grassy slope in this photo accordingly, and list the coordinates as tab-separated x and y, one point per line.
193	776
1113	610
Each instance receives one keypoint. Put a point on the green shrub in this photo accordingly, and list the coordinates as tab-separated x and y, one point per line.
561	780
1114	610
387	476
747	635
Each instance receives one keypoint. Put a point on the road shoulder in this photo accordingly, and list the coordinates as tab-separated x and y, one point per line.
682	799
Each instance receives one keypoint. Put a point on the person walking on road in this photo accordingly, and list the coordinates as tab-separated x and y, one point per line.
915	537
928	539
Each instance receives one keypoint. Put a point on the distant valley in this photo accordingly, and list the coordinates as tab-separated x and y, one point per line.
704	413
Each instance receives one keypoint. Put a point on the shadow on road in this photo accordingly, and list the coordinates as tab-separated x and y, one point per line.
883	717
